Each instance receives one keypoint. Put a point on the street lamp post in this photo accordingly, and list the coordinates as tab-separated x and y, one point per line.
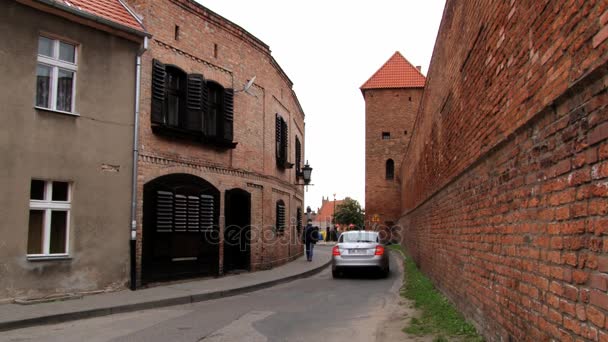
334	223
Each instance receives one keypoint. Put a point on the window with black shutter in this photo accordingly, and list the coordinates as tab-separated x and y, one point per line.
188	106
158	92
182	213
213	120
228	114
175	82
282	136
279	135
280	224
193	221
164	211
194	102
299	219
298	158
206	213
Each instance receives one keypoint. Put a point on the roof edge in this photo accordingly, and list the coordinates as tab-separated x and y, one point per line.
383	65
86	15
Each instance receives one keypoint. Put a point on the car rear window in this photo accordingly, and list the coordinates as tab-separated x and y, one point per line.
359	237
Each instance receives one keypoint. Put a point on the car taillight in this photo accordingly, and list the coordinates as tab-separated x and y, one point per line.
379	250
335	251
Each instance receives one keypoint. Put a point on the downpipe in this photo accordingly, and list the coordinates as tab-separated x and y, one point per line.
133	228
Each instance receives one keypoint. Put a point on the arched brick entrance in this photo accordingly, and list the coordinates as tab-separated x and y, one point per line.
180	228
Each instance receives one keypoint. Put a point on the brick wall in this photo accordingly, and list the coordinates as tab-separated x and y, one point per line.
505	208
227	54
392	111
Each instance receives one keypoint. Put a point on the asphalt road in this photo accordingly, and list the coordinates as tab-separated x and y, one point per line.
319	308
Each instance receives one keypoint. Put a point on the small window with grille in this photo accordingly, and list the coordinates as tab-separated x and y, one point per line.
280	224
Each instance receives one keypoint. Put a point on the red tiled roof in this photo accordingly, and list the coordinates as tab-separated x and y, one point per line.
326	212
397	72
112	10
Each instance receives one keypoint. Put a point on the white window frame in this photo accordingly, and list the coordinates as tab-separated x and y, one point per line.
55	64
48	206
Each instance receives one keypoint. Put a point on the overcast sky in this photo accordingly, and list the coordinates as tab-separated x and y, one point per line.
329	49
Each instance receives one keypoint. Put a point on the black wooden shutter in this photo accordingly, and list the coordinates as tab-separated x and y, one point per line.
228	114
193	214
164	212
158	92
284	140
299	218
206	217
194	102
280	217
204	102
180	213
279	136
298	156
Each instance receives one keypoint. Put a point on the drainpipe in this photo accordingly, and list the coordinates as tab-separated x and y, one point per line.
132	242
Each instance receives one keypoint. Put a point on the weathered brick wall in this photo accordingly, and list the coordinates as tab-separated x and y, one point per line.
492	74
506	206
393	111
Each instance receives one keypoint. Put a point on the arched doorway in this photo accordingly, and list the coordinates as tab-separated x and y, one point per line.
237	234
180	228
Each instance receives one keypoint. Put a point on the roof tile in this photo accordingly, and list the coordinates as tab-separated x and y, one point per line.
397	72
112	10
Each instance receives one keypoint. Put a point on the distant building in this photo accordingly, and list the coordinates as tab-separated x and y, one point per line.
392	97
325	214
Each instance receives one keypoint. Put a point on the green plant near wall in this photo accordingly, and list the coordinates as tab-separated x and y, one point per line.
438	315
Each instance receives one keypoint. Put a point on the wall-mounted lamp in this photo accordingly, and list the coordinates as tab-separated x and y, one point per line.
305	174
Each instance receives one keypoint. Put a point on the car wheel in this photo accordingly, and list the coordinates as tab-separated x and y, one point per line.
335	274
386	272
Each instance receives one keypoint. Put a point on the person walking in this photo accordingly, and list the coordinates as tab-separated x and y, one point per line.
310	238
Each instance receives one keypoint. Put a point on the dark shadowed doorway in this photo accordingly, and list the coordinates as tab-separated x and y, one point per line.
237	234
180	228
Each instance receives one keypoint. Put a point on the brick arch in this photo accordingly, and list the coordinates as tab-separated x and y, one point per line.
153	173
180	227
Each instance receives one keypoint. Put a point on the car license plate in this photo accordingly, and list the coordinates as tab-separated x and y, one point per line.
357	251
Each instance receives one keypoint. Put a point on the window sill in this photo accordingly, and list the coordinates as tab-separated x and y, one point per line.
56	111
179	133
48	257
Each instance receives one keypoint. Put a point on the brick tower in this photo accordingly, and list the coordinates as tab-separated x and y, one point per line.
392	96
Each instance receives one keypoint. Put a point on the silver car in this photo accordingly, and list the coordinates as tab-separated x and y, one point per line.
359	249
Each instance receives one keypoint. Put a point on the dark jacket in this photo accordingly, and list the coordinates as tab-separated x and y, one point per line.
310	235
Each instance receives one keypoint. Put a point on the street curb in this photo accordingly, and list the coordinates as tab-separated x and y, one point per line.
181	300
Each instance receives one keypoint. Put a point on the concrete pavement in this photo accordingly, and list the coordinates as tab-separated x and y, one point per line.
14	316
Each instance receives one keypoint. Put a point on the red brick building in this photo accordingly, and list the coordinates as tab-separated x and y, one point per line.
221	146
325	214
392	96
505	180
